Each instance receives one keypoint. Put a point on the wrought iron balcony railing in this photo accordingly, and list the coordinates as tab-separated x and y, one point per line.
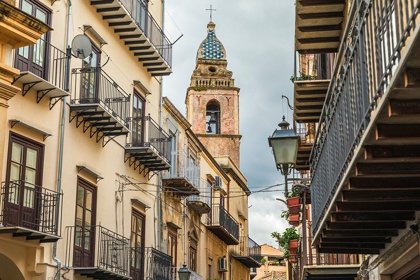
43	69
150	28
248	248
147	133
95	251
205	193
28	206
92	86
184	167
223	224
370	53
47	62
150	264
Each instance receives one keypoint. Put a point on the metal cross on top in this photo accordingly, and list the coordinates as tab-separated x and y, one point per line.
211	12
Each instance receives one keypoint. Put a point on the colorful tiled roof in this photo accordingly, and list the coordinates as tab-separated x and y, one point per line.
211	47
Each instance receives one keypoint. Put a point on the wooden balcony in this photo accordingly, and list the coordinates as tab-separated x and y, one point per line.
319	24
366	159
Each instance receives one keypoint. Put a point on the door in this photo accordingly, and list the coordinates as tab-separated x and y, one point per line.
137	245
23	191
84	234
91	76
138	119
34	58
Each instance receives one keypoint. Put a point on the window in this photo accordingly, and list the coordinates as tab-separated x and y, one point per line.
138	118
85	224
32	58
91	78
193	258
137	244
213	117
24	164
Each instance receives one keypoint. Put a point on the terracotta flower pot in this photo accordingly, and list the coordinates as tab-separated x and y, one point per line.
294	220
293	201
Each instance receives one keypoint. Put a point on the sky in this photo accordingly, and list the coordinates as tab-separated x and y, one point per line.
258	38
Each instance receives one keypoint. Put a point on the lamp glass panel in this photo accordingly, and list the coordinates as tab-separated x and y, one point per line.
285	150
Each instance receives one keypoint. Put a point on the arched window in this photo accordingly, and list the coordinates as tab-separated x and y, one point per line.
213	117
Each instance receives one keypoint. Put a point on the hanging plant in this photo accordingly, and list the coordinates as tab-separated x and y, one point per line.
283	239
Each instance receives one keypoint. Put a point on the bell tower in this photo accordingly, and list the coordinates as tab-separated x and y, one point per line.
213	100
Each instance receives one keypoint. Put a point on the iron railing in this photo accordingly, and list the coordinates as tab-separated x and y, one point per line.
157	265
332	259
30	206
44	60
218	216
150	28
92	85
248	248
183	167
152	135
205	193
372	47
97	247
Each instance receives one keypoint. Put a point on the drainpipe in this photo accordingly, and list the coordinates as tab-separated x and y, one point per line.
61	139
159	194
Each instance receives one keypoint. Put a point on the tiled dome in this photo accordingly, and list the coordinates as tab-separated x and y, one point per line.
211	47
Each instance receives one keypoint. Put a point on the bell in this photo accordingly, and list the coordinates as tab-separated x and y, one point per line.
212	118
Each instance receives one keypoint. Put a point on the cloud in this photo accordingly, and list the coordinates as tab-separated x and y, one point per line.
258	37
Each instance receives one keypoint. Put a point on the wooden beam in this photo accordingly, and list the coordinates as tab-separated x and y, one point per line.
361	233
412	77
384	194
373	216
366	225
369	205
361	239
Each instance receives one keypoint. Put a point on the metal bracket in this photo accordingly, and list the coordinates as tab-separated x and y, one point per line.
18	77
27	87
41	93
54	100
108	138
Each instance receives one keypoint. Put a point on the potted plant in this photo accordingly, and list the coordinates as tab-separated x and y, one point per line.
293	203
284	238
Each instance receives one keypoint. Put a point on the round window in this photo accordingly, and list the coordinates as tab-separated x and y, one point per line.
212	69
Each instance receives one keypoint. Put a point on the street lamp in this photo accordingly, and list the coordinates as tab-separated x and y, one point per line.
184	273
284	143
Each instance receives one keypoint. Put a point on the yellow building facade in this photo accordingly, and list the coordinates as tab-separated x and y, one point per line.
101	177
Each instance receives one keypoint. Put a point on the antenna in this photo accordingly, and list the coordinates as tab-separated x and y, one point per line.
81	47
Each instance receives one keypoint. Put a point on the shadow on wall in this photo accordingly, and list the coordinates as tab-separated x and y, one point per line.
8	269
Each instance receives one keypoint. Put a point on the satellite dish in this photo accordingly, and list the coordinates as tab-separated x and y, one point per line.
81	47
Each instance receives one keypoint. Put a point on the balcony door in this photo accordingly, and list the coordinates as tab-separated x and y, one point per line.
91	74
22	193
137	245
138	118
35	58
84	240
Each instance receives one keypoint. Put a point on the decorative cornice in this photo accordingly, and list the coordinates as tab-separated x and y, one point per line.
18	27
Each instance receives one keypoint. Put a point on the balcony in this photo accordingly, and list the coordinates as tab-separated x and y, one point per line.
184	175
365	161
248	252
151	151
150	263
201	203
30	211
306	132
99	104
309	97
132	21
223	225
42	69
330	266
97	252
319	25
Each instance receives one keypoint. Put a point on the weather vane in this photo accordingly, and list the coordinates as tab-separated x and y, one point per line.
211	12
